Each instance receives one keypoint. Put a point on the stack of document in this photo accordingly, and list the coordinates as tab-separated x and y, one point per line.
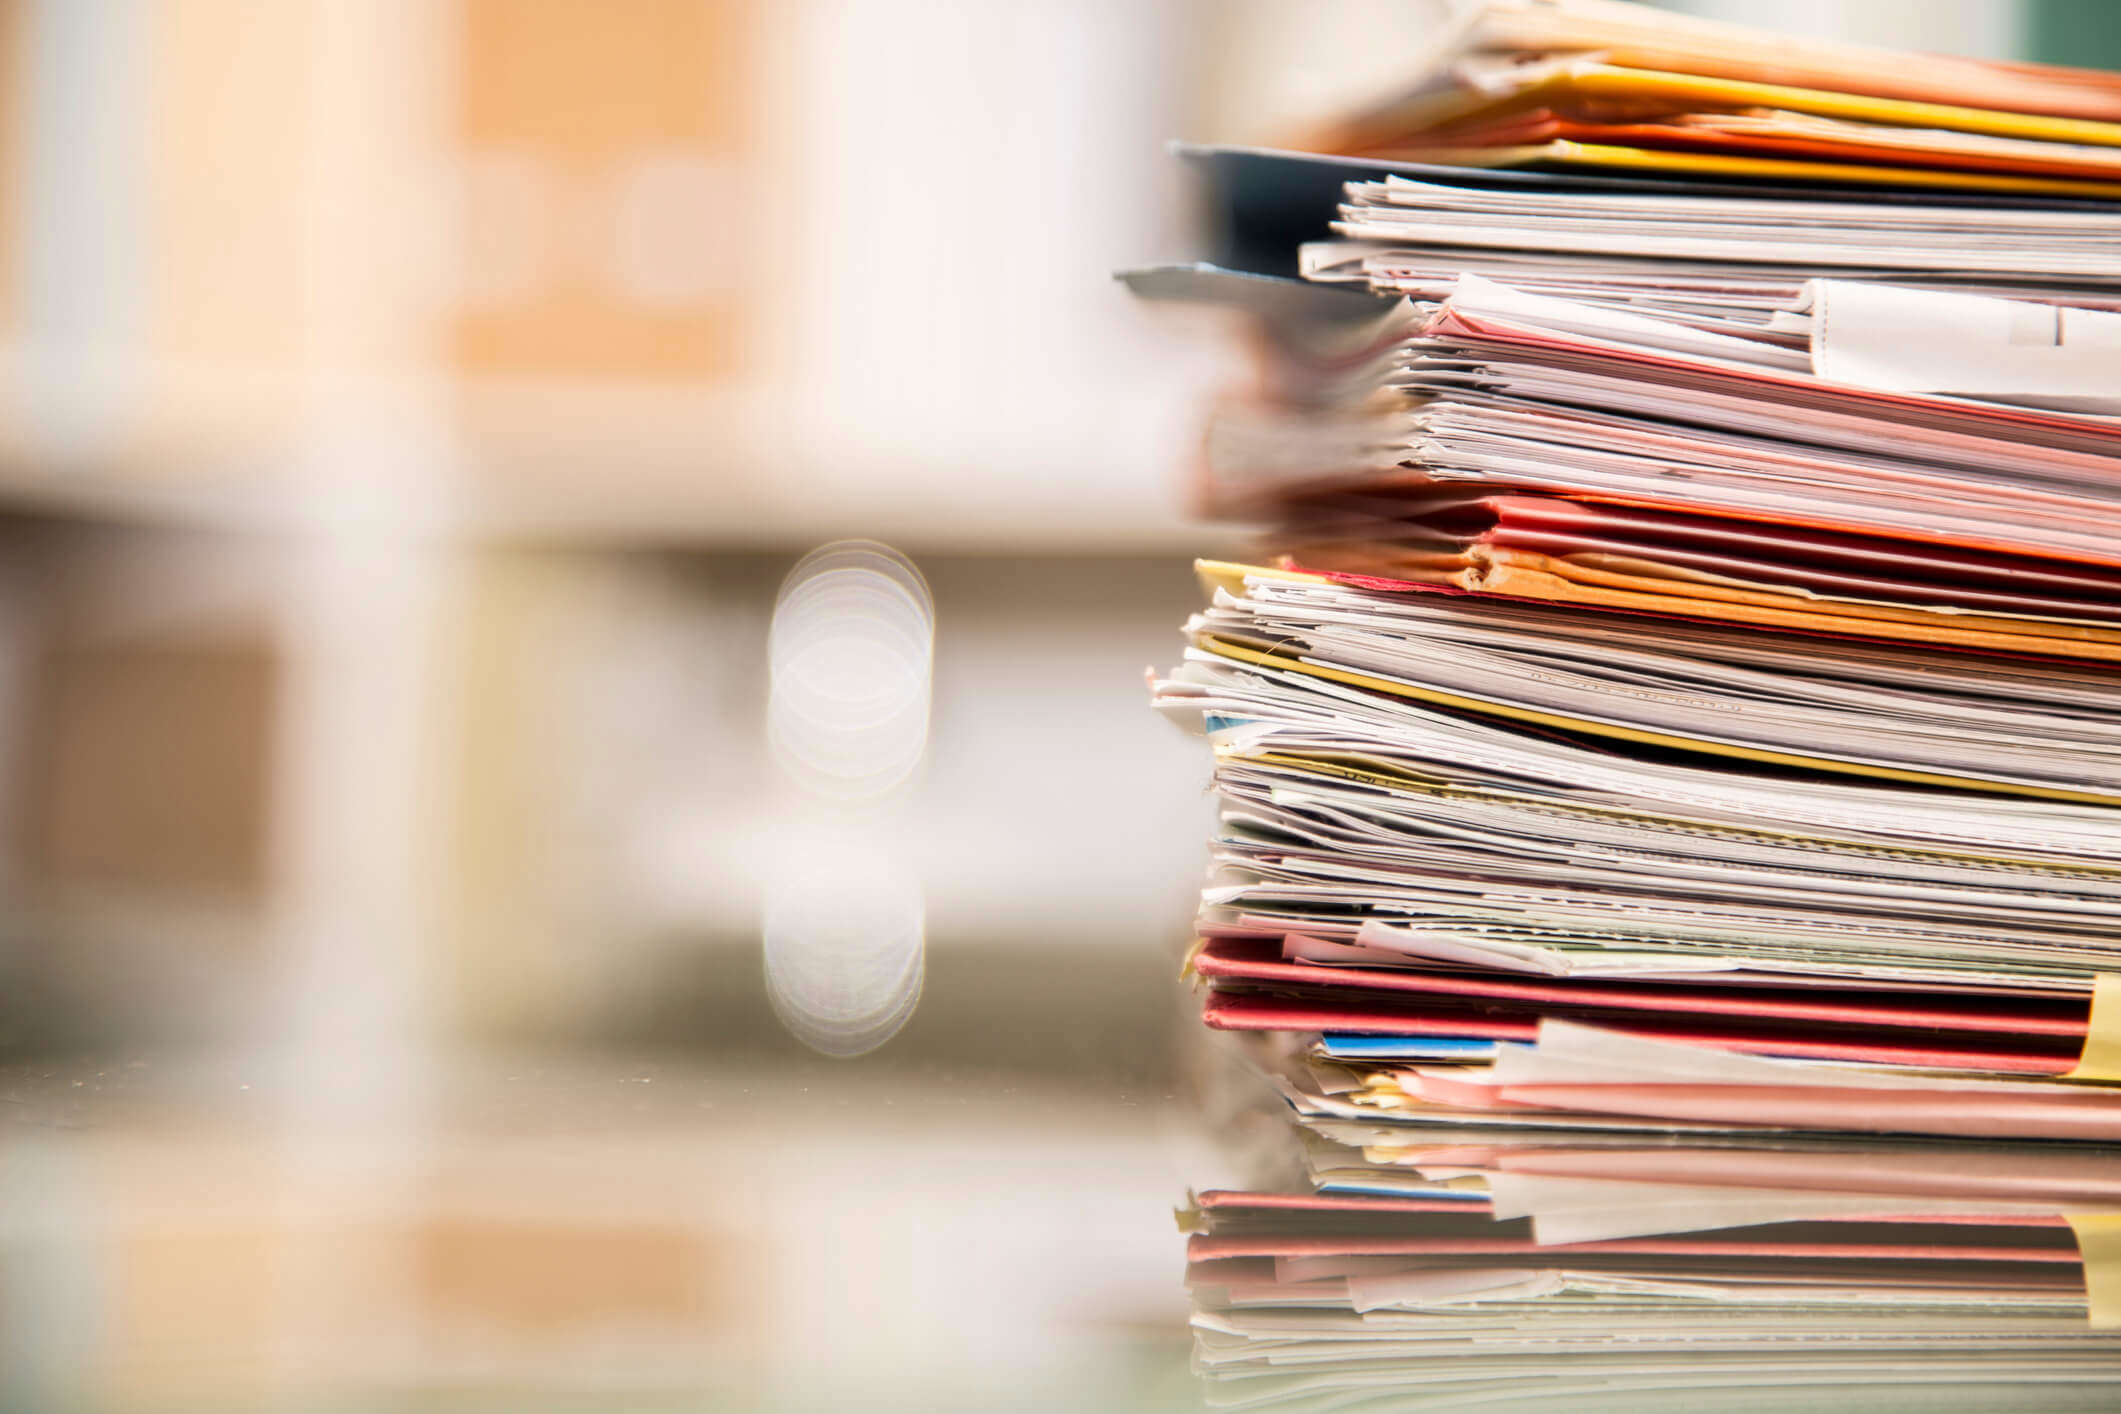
1813	882
1920	466
1606	85
1681	683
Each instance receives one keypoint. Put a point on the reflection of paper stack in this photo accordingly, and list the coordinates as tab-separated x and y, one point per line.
1681	693
1415	1275
1560	1259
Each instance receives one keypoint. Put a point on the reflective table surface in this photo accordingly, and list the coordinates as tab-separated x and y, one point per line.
977	1215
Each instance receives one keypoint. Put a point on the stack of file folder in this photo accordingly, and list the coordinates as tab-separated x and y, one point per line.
1614	86
1679	688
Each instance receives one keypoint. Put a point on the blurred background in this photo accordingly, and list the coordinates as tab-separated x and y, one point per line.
430	928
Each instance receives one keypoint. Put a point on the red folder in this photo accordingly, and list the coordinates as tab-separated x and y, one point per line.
1262	1011
2056	1023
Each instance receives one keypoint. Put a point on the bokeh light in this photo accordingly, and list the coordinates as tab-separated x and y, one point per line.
851	654
844	951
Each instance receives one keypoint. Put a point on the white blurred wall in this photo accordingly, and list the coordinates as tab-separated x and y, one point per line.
1981	29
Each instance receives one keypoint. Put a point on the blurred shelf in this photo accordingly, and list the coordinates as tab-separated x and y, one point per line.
614	516
619	467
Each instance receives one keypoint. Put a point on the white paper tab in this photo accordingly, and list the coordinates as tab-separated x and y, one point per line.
1971	346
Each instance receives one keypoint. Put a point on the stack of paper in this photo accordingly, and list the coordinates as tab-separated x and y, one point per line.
1618	86
1680	687
1451	820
